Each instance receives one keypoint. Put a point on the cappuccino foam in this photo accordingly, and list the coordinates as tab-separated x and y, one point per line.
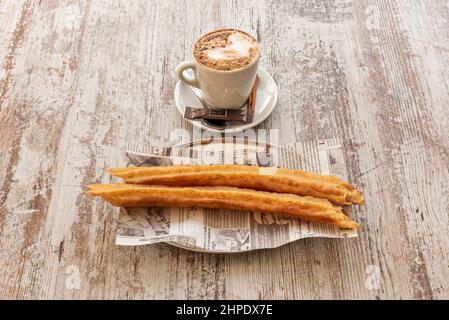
226	49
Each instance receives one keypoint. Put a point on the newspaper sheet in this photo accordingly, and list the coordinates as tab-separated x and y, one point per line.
215	230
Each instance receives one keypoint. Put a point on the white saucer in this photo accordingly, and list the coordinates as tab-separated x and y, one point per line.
267	97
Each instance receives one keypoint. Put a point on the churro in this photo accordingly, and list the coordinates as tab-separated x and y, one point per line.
258	178
306	208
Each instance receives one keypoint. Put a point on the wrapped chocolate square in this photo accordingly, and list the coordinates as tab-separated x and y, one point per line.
215	114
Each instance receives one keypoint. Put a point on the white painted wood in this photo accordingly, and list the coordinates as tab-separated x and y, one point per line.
79	81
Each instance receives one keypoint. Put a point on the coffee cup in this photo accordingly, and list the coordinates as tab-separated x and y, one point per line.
224	68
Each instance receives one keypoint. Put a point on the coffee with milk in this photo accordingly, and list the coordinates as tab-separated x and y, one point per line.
226	49
225	67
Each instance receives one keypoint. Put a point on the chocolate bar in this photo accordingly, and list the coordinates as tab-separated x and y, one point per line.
215	114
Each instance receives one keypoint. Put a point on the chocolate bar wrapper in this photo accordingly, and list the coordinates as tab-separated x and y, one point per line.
215	114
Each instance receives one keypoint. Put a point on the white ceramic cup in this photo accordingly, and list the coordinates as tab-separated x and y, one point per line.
221	89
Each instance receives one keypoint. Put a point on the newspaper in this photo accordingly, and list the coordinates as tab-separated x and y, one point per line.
223	231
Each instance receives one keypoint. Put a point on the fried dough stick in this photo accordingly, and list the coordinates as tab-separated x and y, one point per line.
306	208
258	178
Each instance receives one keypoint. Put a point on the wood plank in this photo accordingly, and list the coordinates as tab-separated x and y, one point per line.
81	81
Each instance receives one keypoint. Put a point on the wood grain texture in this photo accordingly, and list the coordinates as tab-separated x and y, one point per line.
80	80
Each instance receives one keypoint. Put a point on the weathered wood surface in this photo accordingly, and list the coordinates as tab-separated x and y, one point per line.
81	79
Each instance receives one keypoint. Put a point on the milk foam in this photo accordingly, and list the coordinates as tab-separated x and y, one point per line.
238	47
226	49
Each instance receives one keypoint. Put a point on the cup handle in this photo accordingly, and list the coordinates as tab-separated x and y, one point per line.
191	81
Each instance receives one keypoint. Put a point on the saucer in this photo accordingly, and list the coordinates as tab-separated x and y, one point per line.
267	97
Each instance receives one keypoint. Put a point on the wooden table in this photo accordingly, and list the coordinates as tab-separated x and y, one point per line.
80	80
